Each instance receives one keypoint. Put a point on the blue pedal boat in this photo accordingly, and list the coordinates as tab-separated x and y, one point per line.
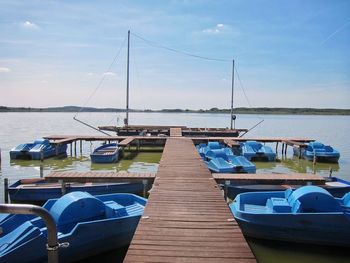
231	164
256	151
35	190
220	159
41	148
322	153
90	224
107	153
335	186
309	214
204	148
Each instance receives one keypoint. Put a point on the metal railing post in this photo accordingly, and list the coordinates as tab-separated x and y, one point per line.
52	241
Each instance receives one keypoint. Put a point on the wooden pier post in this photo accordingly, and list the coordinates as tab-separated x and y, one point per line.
314	159
41	155
282	148
71	149
285	149
6	190
276	147
75	148
145	183
227	183
41	171
81	147
63	187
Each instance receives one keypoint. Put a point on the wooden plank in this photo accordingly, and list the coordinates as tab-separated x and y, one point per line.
231	143
295	143
175	132
98	176
65	140
186	218
126	141
272	178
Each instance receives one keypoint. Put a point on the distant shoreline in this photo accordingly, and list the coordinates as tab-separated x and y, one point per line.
259	110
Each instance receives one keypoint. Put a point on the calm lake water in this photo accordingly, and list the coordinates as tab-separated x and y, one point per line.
18	128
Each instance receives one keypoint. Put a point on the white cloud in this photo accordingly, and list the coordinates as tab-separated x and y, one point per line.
215	30
4	70
29	25
109	73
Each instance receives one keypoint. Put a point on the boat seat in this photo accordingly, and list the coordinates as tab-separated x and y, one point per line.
216	153
114	209
278	205
346	200
296	206
214	145
313	199
76	207
287	193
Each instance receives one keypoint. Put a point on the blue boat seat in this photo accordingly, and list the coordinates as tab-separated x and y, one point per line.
317	145
328	148
114	209
214	145
287	193
76	207
313	199
278	205
216	153
346	200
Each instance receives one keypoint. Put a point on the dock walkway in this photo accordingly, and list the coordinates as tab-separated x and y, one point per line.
186	218
84	177
272	178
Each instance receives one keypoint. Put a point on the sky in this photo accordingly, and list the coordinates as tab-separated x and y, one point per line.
286	53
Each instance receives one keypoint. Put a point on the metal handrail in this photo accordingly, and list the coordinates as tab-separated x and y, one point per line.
52	241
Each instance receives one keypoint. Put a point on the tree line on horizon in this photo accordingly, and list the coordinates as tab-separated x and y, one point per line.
239	110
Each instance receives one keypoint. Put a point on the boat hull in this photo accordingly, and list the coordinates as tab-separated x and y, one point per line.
41	191
318	152
307	215
301	233
111	229
108	153
339	189
40	149
255	151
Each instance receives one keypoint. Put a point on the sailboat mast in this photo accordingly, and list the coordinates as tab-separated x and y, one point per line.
232	90
127	83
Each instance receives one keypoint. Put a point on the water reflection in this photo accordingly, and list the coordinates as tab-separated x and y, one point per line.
280	251
295	164
136	161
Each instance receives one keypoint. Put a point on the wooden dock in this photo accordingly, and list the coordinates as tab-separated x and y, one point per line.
175	132
126	142
263	178
84	177
186	218
272	178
